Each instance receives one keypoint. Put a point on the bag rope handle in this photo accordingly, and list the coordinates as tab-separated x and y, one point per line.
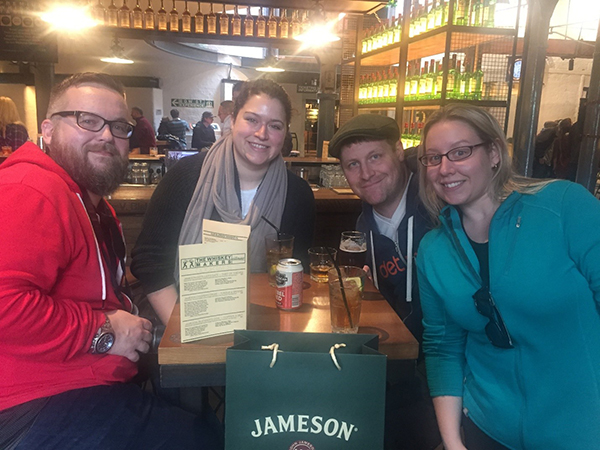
275	348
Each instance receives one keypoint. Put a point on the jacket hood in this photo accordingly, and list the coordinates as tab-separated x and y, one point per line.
29	153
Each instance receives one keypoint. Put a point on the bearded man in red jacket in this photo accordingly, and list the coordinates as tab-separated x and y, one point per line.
70	337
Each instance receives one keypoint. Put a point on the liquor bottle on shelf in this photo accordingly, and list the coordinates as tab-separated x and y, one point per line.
137	16
361	90
369	40
248	23
457	79
295	25
390	31
465	81
211	21
261	24
363	42
383	36
186	19
124	16
381	84
431	16
476	13
199	20
413	19
423	20
477	81
112	15
236	22
174	19
407	82
430	81
305	23
272	24
489	13
461	12
414	83
453	85
422	94
393	85
284	25
224	22
419	135
161	16
149	20
441	14
398	29
412	135
439	80
99	13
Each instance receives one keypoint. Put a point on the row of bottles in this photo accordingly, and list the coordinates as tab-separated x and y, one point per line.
270	26
411	137
387	33
378	87
464	82
428	17
475	13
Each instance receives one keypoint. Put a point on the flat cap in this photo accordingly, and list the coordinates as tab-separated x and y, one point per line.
364	125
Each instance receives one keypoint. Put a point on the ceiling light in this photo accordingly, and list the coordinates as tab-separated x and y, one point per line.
270	65
69	18
117	56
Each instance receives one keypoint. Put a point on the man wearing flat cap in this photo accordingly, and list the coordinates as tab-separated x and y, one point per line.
394	220
204	135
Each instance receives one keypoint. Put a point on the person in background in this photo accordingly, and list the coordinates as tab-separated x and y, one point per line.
13	133
177	127
70	335
510	289
235	91
394	220
162	126
204	134
225	116
239	180
143	133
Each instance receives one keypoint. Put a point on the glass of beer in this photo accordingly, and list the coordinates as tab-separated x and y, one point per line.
278	246
321	262
345	315
353	249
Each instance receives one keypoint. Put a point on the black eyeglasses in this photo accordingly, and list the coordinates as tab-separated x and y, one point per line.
93	122
495	330
456	154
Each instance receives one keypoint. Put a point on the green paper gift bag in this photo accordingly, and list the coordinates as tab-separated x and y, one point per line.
304	402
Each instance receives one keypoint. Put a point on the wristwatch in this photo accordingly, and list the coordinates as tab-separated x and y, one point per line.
104	339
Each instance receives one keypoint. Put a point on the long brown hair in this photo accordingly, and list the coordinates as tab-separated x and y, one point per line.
8	114
504	180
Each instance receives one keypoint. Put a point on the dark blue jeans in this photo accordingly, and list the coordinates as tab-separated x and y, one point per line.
116	417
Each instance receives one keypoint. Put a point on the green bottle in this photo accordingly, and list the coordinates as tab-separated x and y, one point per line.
457	81
477	81
431	16
465	82
489	11
461	12
476	13
439	79
422	94
452	75
414	84
430	81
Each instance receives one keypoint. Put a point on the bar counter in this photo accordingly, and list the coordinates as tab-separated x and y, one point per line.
335	212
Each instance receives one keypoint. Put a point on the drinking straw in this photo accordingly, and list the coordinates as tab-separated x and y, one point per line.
273	225
342	290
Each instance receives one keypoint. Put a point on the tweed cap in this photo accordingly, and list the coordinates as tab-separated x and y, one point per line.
364	125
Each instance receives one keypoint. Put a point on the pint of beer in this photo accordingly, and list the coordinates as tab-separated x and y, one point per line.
353	249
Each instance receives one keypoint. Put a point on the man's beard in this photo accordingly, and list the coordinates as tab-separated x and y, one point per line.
100	179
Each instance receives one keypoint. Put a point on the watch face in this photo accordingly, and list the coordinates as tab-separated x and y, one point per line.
105	342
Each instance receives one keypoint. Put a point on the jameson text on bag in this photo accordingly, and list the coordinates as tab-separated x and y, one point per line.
296	398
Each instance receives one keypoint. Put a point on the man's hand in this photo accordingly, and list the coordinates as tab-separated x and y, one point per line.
132	334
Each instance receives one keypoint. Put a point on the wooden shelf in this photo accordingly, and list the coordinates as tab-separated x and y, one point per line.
433	42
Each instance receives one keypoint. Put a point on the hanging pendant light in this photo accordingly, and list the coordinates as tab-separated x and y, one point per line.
117	55
321	31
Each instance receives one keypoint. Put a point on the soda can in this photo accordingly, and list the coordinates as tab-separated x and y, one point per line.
288	279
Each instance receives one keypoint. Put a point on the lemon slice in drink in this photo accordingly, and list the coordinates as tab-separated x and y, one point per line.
355	280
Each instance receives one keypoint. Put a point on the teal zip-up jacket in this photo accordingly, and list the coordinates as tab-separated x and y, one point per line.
544	253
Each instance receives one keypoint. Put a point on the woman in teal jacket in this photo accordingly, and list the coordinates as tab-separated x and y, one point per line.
510	290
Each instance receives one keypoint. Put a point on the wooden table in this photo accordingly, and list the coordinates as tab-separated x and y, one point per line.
202	363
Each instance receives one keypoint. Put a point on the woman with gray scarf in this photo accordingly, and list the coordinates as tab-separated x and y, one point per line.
241	179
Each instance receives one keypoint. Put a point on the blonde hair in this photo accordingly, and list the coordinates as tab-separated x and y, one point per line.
8	114
504	180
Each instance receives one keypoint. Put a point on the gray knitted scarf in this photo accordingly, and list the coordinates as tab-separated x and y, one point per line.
216	190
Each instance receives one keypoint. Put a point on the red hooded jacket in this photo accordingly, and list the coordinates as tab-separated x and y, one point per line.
53	284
